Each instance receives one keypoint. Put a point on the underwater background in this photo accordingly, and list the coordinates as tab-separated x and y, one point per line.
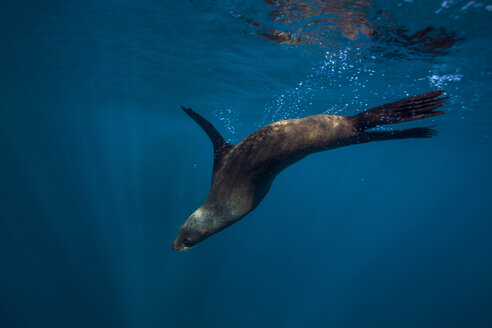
99	166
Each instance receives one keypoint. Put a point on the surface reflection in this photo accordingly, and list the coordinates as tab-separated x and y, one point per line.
327	23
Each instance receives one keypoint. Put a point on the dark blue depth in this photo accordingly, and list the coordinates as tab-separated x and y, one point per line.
99	167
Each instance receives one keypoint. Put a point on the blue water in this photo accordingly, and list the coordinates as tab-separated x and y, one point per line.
99	167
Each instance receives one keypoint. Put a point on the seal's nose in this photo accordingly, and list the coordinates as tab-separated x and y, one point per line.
176	245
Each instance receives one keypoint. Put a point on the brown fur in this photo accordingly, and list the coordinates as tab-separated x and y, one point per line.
243	173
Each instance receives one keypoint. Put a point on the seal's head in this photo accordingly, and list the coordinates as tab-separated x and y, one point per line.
187	238
199	226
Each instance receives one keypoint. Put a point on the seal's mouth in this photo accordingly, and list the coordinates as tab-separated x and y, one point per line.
177	246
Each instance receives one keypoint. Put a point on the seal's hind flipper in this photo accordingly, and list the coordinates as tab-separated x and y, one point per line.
408	109
219	143
423	132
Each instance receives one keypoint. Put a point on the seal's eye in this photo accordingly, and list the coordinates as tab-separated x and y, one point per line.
187	242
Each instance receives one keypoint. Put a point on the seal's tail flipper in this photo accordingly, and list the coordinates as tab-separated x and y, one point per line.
423	132
408	109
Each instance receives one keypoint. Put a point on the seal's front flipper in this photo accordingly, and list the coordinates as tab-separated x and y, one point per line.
424	132
220	145
408	109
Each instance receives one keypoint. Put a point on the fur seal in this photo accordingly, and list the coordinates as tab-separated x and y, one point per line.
242	174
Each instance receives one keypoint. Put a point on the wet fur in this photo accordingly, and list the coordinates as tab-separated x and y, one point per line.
243	173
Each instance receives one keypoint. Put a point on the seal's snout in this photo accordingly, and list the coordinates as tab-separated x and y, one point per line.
178	245
193	231
175	245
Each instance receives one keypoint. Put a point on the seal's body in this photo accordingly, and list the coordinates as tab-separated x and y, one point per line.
243	174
